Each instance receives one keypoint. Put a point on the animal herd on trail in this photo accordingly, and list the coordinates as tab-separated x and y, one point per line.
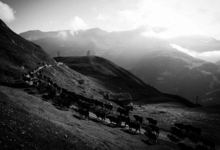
105	110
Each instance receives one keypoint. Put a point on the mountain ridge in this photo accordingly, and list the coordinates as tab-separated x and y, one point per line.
131	49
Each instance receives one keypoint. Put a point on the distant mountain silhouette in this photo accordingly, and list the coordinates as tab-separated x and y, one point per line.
218	63
178	73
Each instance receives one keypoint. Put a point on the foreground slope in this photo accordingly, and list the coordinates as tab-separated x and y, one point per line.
18	54
28	122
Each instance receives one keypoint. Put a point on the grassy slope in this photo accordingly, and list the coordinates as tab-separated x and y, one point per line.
29	121
116	79
46	127
111	77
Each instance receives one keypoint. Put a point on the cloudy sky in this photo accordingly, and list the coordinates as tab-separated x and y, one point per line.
167	18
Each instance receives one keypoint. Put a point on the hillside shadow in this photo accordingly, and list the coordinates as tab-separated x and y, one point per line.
32	92
45	98
27	89
15	85
60	107
80	118
98	121
147	142
112	125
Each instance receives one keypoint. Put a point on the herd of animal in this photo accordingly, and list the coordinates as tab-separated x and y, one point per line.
116	115
182	131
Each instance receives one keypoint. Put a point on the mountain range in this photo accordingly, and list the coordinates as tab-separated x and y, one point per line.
88	76
151	59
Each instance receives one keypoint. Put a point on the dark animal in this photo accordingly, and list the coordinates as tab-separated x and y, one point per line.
114	119
138	119
152	137
177	132
84	112
188	128
180	126
83	105
124	112
155	129
99	104
101	115
108	107
134	125
152	121
124	119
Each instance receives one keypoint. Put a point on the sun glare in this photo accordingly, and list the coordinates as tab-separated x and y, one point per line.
174	22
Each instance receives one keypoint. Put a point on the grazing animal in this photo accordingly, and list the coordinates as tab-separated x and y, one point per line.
101	115
155	129
83	105
180	126
152	137
114	119
152	121
134	125
124	119
109	107
124	112
188	128
84	112
177	132
138	119
99	104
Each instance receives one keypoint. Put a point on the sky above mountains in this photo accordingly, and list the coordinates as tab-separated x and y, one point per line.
159	18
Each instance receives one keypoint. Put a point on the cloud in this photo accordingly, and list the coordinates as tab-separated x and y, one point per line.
6	13
77	24
159	29
216	17
62	34
102	17
202	11
210	56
